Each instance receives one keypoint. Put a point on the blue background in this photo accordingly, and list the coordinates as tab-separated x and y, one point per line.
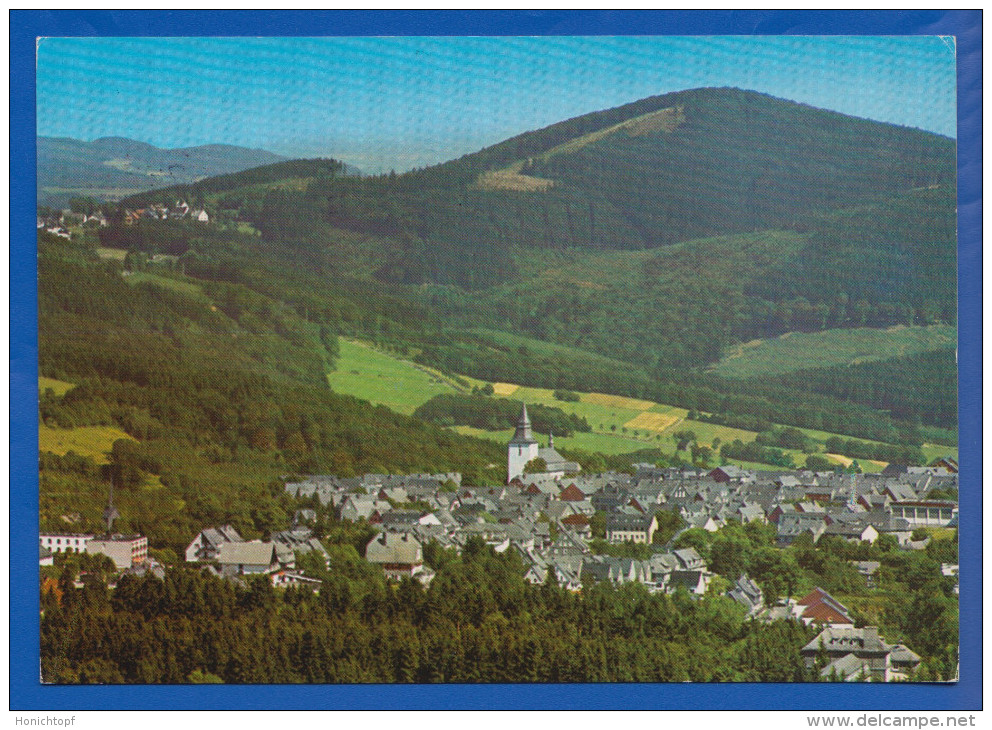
25	691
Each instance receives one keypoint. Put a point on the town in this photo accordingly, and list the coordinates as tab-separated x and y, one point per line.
86	214
578	529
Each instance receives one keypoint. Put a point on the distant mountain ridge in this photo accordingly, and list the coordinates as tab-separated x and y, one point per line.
110	168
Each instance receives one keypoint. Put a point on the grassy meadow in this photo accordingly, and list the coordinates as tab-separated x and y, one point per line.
801	350
92	441
372	375
619	425
58	387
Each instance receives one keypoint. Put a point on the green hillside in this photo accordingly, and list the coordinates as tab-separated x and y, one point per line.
619	425
616	255
802	351
212	393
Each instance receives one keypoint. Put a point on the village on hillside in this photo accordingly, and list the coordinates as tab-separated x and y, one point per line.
559	520
59	222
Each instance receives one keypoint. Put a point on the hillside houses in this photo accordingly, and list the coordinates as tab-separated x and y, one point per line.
549	518
858	654
177	210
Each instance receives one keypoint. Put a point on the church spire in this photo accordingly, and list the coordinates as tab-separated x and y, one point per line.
551	440
523	434
110	513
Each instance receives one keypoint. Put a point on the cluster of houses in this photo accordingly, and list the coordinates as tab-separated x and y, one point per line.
547	518
229	555
180	210
58	224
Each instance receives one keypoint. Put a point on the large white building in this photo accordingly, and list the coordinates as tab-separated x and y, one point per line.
124	550
59	543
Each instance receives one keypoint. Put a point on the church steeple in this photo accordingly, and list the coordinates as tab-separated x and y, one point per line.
523	434
551	440
110	512
523	447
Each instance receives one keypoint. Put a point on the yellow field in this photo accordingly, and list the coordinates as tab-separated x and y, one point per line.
652	421
92	441
617	401
842	460
505	389
847	461
59	387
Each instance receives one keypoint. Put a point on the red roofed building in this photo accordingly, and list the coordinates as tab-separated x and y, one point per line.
819	607
578	524
571	493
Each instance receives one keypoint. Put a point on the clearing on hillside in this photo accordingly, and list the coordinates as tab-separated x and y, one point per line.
59	387
663	120
116	254
367	373
505	389
803	350
617	401
92	441
510	178
187	288
652	421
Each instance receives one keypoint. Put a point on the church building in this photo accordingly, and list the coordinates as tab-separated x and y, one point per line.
524	448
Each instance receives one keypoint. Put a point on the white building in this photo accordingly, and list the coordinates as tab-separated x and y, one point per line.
58	543
928	513
124	550
522	449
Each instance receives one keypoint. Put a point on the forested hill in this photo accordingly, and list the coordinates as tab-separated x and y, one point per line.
658	171
277	173
662	234
213	390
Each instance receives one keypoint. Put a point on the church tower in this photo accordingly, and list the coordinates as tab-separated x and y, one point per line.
522	448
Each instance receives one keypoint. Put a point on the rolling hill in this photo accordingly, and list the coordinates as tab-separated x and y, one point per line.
620	253
112	167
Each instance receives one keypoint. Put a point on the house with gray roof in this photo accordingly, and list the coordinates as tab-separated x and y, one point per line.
748	594
637	527
689	559
750	512
206	544
616	570
731	473
361	507
848	668
869	569
694	582
662	566
399	554
856	530
886	524
864	643
793	524
247	558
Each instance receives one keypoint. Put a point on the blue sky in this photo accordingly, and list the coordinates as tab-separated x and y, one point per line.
397	103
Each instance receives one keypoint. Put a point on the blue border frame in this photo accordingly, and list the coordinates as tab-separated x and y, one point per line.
25	691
